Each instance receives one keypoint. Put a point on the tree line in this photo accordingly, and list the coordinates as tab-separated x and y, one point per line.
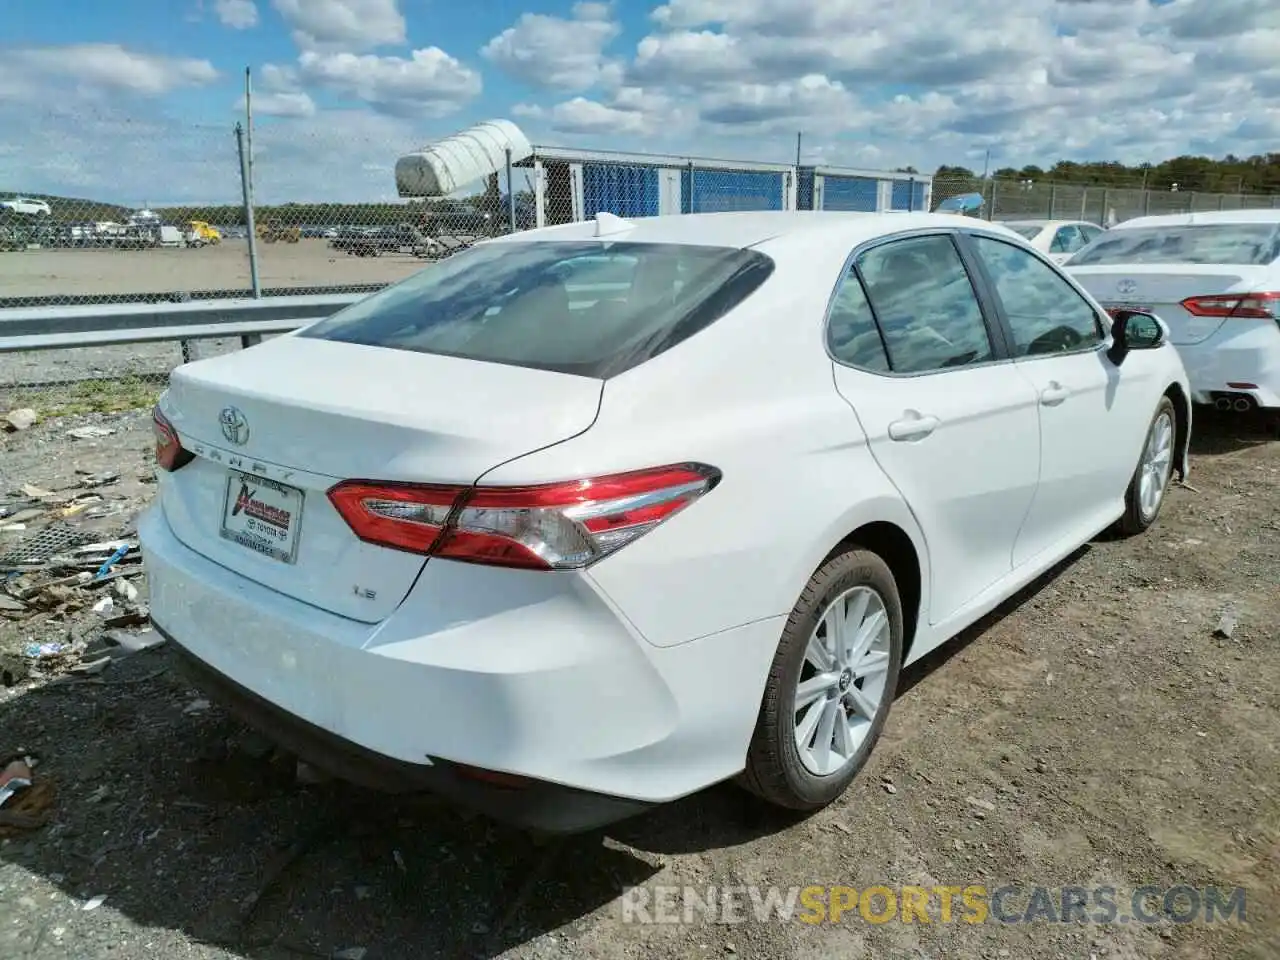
1231	174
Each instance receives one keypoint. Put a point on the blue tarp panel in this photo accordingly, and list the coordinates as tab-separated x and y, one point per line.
716	190
622	191
804	189
850	193
908	195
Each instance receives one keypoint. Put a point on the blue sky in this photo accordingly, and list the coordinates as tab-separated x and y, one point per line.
135	99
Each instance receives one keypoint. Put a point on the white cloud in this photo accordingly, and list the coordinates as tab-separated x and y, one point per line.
1034	82
868	85
237	14
280	94
97	69
428	83
343	25
553	53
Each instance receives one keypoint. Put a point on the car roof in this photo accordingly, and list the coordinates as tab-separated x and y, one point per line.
743	229
1209	216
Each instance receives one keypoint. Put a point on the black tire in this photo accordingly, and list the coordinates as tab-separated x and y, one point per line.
774	770
1134	521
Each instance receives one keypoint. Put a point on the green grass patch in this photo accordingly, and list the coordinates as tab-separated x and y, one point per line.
116	395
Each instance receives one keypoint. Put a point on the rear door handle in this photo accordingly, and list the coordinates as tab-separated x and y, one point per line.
912	428
1054	394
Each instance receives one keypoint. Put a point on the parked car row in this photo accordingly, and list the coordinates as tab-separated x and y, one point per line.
588	518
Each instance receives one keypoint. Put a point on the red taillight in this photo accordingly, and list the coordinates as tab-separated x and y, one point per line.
552	526
1257	306
170	454
401	515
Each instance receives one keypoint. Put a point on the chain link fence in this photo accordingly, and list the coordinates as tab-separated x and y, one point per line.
57	251
1102	204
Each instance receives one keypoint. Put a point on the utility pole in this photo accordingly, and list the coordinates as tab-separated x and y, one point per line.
799	137
248	126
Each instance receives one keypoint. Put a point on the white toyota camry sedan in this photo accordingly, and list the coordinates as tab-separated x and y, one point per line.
591	517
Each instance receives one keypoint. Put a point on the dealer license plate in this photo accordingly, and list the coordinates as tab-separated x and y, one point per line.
262	515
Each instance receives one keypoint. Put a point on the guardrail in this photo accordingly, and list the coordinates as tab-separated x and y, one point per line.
54	328
178	296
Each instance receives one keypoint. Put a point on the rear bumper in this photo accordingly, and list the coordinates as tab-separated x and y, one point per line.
533	804
529	674
1239	352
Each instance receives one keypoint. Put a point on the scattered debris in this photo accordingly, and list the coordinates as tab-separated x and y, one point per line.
25	802
89	433
196	707
20	419
93	903
980	807
888	786
350	953
14	776
1227	623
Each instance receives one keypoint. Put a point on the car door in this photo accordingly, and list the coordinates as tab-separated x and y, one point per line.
950	421
1093	415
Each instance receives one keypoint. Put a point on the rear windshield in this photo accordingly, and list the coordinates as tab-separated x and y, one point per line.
590	308
1029	231
1234	243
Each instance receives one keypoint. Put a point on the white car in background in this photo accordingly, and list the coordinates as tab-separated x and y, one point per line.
1059	239
1214	279
588	518
26	205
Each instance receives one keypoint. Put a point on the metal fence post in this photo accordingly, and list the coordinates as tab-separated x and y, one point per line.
991	207
1053	199
511	195
1106	204
246	191
911	194
1084	202
1146	202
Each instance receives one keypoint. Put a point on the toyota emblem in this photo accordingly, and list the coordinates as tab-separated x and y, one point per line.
1126	287
235	427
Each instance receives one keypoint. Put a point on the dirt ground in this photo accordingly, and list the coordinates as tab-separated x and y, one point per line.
308	263
1096	730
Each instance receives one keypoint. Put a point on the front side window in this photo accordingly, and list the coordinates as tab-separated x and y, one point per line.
928	312
590	308
1046	314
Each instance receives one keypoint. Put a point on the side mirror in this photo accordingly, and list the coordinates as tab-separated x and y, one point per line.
1134	330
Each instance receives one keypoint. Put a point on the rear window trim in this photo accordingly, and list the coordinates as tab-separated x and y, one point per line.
755	269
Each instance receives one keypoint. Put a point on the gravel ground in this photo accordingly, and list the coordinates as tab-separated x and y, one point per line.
308	263
1095	730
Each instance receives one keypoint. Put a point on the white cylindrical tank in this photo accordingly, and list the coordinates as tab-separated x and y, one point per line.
440	168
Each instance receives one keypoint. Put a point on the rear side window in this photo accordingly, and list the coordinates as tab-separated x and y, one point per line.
589	308
1252	244
852	334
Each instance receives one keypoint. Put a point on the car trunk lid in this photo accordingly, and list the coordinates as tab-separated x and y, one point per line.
1162	289
274	427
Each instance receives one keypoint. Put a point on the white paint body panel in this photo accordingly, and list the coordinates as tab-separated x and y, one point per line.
640	676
